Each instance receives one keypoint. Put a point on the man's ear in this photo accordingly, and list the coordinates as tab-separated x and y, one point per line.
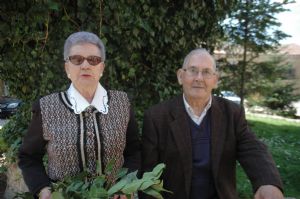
179	76
216	85
216	81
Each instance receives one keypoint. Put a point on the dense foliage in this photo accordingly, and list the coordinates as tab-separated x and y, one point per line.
145	40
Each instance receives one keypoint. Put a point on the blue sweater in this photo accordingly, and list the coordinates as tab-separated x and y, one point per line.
202	181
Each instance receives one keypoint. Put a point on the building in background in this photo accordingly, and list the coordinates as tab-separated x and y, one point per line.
292	54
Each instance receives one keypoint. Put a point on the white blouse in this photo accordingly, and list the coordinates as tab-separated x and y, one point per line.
79	103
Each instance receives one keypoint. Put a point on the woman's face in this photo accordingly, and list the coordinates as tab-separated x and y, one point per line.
84	76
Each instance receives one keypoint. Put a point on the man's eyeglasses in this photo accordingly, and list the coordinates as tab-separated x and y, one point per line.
78	59
194	72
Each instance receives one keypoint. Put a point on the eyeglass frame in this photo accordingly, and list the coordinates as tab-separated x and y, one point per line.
196	73
84	58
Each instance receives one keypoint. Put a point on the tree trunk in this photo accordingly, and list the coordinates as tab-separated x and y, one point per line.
244	64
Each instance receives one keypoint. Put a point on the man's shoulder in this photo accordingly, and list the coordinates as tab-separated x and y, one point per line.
225	105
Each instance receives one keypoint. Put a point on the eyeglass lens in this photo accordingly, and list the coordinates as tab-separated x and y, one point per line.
78	59
206	73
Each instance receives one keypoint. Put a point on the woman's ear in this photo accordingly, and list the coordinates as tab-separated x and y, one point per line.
67	71
179	76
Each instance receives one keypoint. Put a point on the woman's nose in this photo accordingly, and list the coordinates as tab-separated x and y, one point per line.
85	64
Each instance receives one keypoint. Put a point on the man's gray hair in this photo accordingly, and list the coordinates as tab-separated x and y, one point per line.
198	51
82	38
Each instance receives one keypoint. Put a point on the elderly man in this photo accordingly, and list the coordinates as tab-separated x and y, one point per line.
200	137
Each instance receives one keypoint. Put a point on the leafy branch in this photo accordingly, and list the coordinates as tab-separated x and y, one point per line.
84	186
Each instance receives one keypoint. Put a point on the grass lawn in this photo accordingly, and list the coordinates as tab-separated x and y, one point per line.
283	140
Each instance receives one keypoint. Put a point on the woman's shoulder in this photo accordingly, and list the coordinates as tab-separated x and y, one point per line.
117	95
116	92
53	95
46	98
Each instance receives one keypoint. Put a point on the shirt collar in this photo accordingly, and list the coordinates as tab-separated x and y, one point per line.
197	119
79	103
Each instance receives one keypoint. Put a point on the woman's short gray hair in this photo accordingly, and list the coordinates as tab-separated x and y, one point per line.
81	38
198	51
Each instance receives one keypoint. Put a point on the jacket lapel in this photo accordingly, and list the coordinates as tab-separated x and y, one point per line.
181	132
218	124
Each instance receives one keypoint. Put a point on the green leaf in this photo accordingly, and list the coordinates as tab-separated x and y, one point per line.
130	176
132	187
159	187
153	193
131	72
122	172
75	186
99	181
146	184
109	167
135	32
97	192
57	195
117	187
53	5
155	173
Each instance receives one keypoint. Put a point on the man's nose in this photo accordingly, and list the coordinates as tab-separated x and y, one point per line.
199	76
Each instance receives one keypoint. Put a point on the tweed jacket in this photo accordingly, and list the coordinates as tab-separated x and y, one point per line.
77	141
166	138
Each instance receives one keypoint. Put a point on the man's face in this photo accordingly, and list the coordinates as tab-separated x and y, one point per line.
198	78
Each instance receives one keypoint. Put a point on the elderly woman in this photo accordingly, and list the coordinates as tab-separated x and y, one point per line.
80	127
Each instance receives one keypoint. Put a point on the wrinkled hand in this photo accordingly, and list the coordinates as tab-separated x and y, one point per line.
268	192
45	194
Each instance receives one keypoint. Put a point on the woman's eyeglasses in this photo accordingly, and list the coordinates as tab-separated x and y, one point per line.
78	59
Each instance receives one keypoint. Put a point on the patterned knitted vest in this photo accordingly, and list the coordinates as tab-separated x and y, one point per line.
83	141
